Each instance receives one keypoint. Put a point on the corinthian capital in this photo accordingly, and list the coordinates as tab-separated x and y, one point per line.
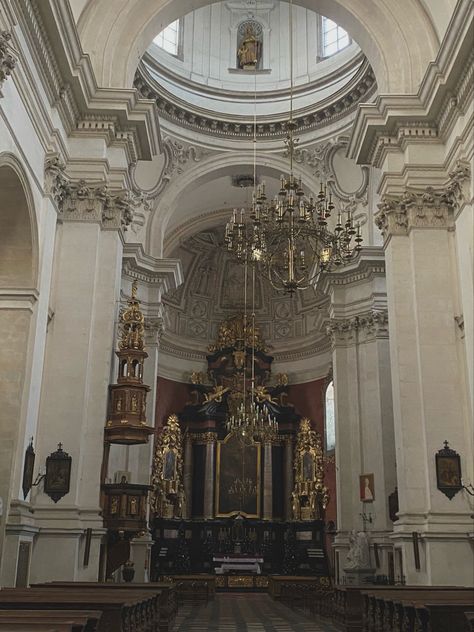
358	329
7	59
82	201
429	208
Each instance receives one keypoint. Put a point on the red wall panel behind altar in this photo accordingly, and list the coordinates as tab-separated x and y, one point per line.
308	400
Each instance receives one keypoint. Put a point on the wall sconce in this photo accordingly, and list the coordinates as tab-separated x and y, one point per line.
57	478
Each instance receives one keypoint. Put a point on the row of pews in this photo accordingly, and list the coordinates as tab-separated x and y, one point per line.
403	609
378	608
88	607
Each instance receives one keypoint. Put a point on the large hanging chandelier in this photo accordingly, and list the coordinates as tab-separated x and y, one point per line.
288	238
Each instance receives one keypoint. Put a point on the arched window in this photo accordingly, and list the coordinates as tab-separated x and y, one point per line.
170	38
329	419
334	38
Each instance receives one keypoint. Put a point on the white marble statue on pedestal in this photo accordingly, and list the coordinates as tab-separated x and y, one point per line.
358	556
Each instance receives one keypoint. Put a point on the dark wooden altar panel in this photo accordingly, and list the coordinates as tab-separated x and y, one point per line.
238	465
199	468
278	481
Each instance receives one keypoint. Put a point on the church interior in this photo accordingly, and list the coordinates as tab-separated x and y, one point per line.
237	304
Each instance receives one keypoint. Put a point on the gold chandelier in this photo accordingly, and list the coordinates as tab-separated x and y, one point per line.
249	420
288	238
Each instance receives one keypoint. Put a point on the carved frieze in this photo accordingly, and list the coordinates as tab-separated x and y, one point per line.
7	59
358	329
211	124
81	201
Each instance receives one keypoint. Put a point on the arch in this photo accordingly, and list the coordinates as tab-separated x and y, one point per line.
18	237
204	172
399	39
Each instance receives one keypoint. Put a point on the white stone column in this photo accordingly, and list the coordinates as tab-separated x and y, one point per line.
209	476
267	481
79	348
429	391
363	402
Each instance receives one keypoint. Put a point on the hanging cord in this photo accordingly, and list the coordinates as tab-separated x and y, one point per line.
290	131
253	333
255	129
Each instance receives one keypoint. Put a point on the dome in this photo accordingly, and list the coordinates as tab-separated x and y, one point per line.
196	68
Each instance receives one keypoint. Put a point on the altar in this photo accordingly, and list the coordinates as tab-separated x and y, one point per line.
234	564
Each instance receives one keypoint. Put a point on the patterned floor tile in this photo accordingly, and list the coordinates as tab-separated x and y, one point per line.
239	612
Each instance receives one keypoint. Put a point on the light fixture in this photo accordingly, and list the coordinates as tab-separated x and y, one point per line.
249	420
288	238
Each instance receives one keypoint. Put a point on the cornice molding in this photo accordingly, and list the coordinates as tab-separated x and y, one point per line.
393	121
359	329
338	106
369	264
137	265
428	208
71	86
8	60
82	201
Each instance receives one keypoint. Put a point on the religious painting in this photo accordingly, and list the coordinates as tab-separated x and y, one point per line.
308	466
58	474
169	465
366	487
448	471
238	478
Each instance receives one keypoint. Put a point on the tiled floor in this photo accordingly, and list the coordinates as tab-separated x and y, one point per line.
243	612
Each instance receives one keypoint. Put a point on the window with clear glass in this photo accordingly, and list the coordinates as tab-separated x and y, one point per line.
329	419
334	38
168	39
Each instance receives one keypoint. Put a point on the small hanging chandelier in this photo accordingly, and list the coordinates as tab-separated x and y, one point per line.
288	238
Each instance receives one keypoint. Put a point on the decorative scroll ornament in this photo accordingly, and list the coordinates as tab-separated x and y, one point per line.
7	60
310	495
167	495
132	331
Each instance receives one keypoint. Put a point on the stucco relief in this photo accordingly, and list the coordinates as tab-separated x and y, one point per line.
7	59
214	290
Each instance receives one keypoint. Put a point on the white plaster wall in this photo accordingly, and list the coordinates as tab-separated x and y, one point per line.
210	47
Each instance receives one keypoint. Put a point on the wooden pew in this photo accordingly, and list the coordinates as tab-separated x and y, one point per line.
124	611
47	620
166	592
469	621
416	609
349	605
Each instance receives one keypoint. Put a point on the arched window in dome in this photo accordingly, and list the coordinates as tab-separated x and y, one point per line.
329	418
333	37
170	38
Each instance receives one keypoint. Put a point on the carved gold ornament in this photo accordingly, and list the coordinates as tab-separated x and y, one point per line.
167	493
309	493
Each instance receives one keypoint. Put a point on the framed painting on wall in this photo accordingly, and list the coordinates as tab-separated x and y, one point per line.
367	488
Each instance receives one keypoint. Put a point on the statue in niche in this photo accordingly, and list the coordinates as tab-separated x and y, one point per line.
308	467
248	52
